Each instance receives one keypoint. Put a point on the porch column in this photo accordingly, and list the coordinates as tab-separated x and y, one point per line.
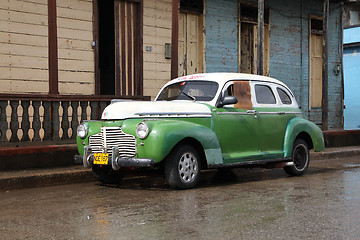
260	39
52	48
174	39
325	76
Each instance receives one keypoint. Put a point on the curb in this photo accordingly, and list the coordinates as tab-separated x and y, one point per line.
48	156
45	177
76	174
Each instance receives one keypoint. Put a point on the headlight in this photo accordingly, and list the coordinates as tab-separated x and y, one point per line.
82	130
142	130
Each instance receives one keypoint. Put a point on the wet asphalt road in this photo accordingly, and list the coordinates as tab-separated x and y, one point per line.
245	204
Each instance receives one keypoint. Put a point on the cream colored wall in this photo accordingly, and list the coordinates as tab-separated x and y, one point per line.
23	46
156	32
76	55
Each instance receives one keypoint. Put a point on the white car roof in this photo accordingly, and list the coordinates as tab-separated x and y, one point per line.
222	78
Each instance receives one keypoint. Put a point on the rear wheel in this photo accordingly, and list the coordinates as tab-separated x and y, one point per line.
107	175
182	167
300	157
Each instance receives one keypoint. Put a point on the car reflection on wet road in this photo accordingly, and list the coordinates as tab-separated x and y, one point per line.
240	204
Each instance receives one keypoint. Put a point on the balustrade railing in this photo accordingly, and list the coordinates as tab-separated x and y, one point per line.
35	118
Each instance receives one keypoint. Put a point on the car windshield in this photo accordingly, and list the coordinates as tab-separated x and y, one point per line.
189	90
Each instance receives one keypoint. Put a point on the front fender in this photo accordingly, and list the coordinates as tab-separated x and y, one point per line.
300	125
165	134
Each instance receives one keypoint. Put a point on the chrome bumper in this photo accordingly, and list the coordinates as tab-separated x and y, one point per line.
116	162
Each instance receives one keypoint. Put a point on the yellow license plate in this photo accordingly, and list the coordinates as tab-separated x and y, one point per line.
101	158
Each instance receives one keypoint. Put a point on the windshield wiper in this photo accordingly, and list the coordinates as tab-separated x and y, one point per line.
189	96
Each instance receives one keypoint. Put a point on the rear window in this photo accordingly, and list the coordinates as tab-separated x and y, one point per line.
284	97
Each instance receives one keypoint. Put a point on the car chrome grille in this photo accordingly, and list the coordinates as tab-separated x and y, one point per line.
110	137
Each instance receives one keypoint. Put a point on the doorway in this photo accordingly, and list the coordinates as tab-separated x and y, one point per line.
248	39
120	59
106	47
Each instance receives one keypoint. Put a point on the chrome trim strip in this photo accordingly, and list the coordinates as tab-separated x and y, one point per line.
234	113
253	113
280	113
174	113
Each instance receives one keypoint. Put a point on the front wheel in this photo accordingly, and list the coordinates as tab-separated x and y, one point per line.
300	157
182	167
107	175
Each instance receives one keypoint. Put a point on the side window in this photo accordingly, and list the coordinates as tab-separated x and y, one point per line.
229	91
284	97
264	94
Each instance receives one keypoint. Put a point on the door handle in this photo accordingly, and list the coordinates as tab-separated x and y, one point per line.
251	112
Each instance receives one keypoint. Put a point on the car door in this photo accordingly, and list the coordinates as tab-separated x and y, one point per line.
236	125
272	119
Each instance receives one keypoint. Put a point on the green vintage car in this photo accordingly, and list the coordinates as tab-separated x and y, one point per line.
201	121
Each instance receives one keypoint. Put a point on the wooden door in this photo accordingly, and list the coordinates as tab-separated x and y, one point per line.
248	48
315	70
190	44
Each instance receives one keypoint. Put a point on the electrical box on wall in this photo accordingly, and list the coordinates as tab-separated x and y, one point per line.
167	50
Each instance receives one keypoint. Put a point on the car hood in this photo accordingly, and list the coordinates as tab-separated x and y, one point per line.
139	109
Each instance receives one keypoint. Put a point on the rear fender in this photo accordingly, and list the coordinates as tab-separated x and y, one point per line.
297	126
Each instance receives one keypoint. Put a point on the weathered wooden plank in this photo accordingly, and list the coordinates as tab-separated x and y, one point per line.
39	7
21	50
74	44
30	29
14	61
156	75
75	34
76	65
23	39
28	74
76	77
22	17
75	24
81	55
76	88
75	14
75	4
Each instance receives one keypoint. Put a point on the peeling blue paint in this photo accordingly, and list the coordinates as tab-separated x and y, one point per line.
289	47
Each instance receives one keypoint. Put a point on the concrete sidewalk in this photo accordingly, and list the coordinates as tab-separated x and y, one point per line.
17	179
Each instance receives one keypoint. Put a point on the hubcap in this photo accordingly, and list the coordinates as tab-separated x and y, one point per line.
188	167
300	157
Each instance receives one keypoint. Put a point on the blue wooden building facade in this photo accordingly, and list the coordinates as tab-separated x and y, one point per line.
293	39
351	59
